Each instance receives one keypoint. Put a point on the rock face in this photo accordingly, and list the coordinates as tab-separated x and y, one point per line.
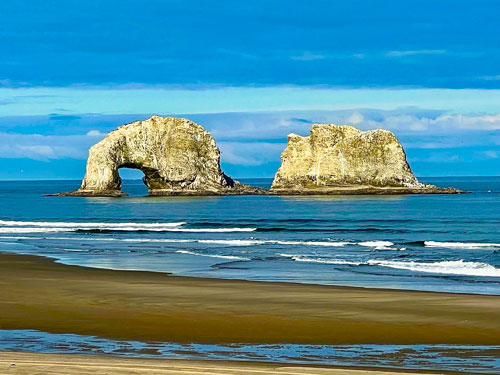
340	159
177	157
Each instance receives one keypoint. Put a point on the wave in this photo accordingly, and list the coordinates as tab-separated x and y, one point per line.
271	242
451	267
12	226
232	257
232	242
368	230
378	245
104	225
457	267
460	245
313	243
120	229
211	230
35	230
236	242
301	258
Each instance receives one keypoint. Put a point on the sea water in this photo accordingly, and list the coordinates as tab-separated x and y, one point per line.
467	358
445	243
448	243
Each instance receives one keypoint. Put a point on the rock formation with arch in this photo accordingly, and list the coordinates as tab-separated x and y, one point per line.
176	155
179	157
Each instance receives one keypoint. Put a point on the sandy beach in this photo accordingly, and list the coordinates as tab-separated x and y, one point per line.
37	293
58	364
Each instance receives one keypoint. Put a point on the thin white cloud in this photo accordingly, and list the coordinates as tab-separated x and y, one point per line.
437	157
447	122
43	151
483	122
257	138
94	133
490	78
44	147
487	154
308	56
250	153
355	118
415	52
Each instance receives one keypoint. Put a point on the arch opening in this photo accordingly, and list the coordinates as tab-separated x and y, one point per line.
131	181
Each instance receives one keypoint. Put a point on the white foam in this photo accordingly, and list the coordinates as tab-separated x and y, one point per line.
35	230
122	228
301	258
212	230
233	242
262	242
312	243
452	267
22	238
460	245
138	240
376	243
212	255
100	225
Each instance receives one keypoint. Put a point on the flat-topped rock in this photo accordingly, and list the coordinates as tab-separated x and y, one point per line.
340	159
176	155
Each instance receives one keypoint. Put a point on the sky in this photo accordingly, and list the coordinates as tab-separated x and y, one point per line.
250	73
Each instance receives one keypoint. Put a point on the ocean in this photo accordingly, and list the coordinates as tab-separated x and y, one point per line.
445	243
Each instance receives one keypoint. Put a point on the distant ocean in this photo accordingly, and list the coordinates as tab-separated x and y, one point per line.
448	243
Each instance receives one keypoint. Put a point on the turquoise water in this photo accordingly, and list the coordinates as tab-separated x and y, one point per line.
427	242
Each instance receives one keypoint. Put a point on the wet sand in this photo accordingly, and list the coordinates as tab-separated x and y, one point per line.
61	364
37	293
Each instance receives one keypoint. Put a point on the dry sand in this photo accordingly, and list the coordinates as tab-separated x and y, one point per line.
36	293
57	364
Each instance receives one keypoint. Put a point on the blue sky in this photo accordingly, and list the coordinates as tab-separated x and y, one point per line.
250	72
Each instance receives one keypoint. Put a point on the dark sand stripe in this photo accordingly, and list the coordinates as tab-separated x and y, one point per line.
36	293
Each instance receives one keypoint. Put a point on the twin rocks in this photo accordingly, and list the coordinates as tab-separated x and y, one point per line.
179	157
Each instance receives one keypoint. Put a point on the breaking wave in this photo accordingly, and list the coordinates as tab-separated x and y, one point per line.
378	245
301	258
235	242
10	226
100	225
460	245
452	267
232	257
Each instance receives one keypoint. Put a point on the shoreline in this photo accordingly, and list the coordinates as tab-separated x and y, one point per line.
38	293
22	363
61	261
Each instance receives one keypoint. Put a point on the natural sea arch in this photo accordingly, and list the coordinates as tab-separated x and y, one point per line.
177	157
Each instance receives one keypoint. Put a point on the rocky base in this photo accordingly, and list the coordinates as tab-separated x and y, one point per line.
237	189
90	193
241	189
369	190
